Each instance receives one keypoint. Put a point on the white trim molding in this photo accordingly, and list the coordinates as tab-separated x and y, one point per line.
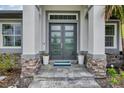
76	21
76	15
6	21
115	36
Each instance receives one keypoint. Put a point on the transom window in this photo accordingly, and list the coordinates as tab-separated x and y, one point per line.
11	35
110	35
62	16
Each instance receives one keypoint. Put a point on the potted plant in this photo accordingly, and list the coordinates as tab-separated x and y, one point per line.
45	58
80	59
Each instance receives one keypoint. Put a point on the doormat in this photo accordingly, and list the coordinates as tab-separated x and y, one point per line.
62	63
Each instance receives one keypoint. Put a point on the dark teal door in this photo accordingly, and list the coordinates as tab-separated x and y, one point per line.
63	41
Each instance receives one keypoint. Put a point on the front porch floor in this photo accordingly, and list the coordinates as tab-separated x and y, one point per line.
74	76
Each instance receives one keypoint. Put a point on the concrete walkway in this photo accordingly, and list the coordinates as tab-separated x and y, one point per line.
74	76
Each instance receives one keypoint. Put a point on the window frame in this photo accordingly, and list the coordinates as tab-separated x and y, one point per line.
76	14
11	23
115	36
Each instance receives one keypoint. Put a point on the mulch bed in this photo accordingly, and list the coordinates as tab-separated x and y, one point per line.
11	78
103	82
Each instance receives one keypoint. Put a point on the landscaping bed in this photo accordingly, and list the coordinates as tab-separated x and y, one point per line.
10	78
103	82
106	83
10	69
115	72
114	79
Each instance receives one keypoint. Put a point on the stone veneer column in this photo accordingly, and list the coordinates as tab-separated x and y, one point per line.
30	60
96	58
30	66
96	64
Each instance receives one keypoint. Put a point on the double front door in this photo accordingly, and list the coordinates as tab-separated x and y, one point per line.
63	41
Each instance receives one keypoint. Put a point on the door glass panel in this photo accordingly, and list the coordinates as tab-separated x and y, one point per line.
55	40
69	34
55	47
69	27
56	52
69	47
57	27
56	34
69	40
69	44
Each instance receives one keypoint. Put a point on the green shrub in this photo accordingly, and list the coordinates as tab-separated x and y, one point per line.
114	77
112	72
122	74
7	62
114	80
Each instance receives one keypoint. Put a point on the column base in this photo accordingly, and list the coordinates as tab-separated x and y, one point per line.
30	66
96	64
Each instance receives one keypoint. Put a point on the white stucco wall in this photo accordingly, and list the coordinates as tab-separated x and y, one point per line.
96	41
84	31
31	30
90	32
37	30
82	27
35	26
28	30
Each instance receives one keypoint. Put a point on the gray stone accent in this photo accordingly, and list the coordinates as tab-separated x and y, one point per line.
96	64
31	56
112	51
30	66
115	59
24	82
2	77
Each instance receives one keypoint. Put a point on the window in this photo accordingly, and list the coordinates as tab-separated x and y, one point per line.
110	35
62	16
11	35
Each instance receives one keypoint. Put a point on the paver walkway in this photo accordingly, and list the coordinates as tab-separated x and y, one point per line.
74	76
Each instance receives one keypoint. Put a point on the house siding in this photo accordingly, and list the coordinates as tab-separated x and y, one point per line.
41	35
11	50
10	14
